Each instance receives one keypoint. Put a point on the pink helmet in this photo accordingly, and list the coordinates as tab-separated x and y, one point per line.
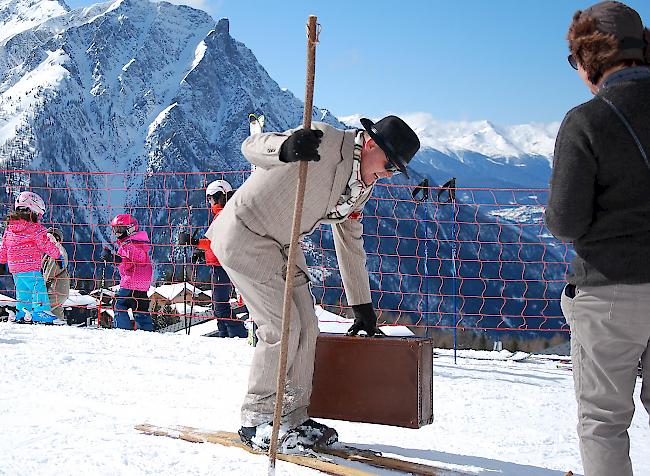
32	201
124	224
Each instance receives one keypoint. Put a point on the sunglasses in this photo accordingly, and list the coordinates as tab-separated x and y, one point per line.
390	167
573	62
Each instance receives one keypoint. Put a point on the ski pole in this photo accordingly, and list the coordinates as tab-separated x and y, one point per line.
184	288
101	296
312	39
450	187
454	252
189	218
193	278
421	195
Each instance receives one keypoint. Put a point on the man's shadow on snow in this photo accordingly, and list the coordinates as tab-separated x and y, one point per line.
472	464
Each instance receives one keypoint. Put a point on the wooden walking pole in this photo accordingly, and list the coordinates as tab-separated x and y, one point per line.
312	39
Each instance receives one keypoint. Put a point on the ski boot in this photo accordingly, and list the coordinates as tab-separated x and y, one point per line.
259	438
312	433
22	317
247	434
44	317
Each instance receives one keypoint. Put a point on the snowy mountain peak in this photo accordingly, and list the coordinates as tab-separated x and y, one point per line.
223	26
17	16
483	137
132	86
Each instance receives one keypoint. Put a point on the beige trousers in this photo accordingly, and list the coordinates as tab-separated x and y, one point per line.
264	301
58	290
610	333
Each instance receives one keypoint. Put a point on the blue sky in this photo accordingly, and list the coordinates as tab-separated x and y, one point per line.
500	60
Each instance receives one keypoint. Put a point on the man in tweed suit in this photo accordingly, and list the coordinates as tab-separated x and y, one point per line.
251	239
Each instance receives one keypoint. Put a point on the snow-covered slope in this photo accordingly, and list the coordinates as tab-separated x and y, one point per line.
70	399
136	86
17	16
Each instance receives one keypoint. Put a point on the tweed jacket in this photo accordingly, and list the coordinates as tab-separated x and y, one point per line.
57	279
252	233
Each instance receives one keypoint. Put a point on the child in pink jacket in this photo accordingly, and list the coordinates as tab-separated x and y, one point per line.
136	273
23	244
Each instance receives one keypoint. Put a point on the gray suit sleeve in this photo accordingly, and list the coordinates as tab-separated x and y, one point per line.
348	241
263	150
569	213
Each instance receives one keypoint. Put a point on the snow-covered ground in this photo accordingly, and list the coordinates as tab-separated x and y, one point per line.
69	399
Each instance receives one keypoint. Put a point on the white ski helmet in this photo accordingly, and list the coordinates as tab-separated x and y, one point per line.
218	186
32	201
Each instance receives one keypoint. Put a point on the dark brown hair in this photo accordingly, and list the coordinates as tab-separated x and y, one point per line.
597	51
23	213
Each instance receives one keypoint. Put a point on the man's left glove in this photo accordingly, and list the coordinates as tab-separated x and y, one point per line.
365	319
301	145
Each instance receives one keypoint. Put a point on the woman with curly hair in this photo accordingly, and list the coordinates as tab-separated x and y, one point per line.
600	201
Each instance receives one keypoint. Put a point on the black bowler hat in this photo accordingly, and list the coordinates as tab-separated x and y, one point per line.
395	138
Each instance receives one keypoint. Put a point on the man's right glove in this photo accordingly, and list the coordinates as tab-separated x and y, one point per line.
184	238
365	319
301	145
3	269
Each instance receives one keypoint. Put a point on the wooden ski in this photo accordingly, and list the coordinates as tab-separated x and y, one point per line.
315	459
226	438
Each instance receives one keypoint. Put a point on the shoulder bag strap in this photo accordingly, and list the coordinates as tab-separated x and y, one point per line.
628	127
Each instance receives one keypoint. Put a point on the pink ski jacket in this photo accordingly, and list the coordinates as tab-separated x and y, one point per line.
136	271
23	245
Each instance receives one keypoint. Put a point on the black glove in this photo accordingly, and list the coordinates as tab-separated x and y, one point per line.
3	269
301	145
198	255
184	238
109	257
365	319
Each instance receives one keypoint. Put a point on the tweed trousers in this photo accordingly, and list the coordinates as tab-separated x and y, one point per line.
610	333
264	300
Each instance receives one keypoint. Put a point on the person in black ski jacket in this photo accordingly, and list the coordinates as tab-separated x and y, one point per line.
600	201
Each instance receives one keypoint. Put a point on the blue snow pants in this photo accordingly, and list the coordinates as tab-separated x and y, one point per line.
31	292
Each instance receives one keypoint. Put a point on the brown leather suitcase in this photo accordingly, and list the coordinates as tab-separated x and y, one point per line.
385	380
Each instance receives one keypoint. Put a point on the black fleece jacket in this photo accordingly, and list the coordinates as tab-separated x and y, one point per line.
600	187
